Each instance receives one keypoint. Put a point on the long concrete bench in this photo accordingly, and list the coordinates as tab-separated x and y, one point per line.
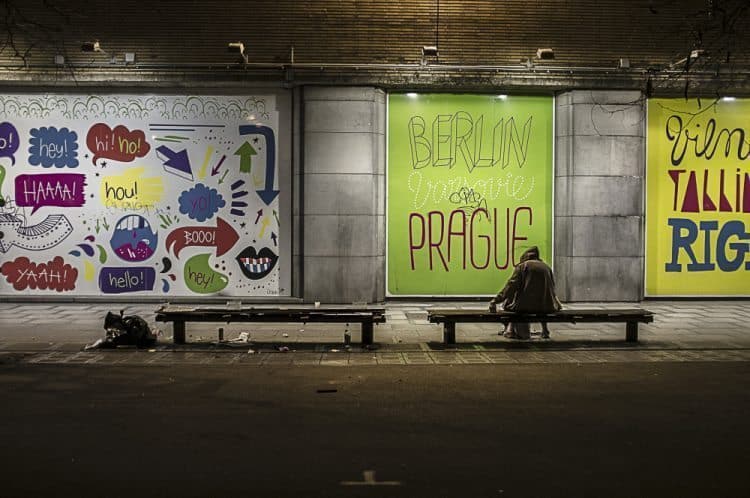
450	317
180	315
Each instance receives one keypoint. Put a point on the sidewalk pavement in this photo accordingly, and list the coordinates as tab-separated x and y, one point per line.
681	331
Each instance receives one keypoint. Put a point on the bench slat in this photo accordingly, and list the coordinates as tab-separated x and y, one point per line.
450	317
180	315
578	315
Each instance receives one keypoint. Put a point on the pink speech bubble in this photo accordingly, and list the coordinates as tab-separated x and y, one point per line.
119	144
50	189
55	275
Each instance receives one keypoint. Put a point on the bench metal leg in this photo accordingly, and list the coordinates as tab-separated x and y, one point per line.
366	333
178	333
631	332
449	333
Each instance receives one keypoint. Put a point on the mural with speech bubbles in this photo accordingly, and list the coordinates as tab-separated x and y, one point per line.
140	194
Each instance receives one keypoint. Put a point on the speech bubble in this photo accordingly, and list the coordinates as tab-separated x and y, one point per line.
56	275
53	147
200	202
50	189
131	189
9	141
119	144
223	237
201	278
128	279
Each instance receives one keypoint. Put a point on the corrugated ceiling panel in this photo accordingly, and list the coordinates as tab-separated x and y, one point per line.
582	32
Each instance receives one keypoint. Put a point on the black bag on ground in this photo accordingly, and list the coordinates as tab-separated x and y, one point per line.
131	330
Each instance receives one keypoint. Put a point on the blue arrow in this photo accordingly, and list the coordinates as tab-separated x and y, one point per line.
268	194
178	161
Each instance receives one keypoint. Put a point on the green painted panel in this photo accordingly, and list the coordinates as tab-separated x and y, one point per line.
469	189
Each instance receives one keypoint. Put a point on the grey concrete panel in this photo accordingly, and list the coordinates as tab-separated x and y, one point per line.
598	196
342	194
605	97
601	279
297	193
602	155
359	116
380	116
297	276
332	235
619	120
378	157
564	155
350	93
344	280
564	98
602	236
342	153
563	120
563	243
561	269
380	181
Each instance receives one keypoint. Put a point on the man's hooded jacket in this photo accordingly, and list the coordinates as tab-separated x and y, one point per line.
531	288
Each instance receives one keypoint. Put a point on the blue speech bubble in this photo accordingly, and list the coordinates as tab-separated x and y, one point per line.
201	202
53	147
8	141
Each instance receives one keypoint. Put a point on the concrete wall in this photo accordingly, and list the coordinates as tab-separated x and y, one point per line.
342	211
599	187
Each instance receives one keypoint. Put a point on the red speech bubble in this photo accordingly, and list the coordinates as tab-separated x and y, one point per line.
223	237
53	275
119	144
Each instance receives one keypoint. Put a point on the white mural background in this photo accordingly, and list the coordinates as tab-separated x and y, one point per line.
139	194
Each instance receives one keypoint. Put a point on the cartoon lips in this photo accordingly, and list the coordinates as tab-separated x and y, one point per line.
256	265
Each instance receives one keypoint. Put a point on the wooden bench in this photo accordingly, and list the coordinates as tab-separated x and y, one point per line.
450	317
180	315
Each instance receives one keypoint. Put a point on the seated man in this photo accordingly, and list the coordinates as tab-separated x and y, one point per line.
530	289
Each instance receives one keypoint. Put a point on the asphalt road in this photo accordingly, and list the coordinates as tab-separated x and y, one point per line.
600	430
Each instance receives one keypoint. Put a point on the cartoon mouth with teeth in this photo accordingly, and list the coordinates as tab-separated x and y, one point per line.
133	239
256	265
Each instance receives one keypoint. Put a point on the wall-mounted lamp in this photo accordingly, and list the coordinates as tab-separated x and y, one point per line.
91	46
694	55
129	57
428	51
623	63
239	49
59	60
545	54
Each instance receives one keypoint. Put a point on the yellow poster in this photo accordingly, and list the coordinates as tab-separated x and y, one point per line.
698	197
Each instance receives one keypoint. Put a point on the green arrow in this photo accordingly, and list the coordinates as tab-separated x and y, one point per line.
2	179
221	180
246	153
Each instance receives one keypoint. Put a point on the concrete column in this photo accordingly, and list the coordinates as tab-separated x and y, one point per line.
342	215
599	186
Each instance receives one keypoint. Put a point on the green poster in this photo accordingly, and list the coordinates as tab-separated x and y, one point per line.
469	189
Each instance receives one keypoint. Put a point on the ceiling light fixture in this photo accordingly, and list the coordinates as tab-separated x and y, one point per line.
91	46
238	48
545	54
